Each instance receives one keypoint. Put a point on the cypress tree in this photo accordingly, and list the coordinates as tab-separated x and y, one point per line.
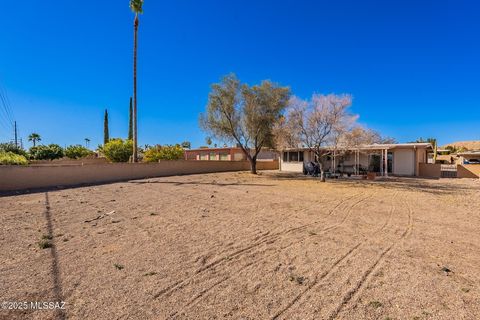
106	136
130	121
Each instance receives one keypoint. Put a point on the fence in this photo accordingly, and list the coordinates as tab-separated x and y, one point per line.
33	177
428	170
448	170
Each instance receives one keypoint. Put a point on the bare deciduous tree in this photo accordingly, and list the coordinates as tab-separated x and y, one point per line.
359	135
319	124
246	115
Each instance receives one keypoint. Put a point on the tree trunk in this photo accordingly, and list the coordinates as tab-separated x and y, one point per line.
322	172
135	131
130	121
106	133
253	165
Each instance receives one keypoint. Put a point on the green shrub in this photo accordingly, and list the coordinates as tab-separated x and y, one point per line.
118	150
11	147
166	152
10	158
77	152
50	152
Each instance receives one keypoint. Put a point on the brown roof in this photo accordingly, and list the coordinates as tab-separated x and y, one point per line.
470	145
377	146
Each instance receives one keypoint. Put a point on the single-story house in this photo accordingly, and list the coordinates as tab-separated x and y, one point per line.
401	159
469	157
227	154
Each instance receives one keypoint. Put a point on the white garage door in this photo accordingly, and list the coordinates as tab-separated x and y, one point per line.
404	162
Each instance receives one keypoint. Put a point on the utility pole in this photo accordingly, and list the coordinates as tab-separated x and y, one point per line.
16	135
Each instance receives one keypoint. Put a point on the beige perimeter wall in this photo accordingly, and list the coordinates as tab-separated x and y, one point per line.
468	171
31	177
429	170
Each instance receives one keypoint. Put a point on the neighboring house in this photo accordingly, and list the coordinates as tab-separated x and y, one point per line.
399	159
444	156
227	154
469	157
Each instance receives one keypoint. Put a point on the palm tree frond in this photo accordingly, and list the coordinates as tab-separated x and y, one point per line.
136	6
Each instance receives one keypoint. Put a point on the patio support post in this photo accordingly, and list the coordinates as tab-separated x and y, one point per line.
386	162
357	166
381	163
355	163
358	161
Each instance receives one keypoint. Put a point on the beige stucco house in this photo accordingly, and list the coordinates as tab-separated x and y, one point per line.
385	159
227	154
469	157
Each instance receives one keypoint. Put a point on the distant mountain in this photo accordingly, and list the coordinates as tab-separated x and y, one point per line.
470	145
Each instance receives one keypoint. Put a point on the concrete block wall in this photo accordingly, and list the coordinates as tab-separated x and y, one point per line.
33	177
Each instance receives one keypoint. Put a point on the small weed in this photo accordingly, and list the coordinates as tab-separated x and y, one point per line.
151	273
312	233
375	304
466	290
153	214
44	244
65	239
118	266
298	279
446	270
47	237
379	274
426	313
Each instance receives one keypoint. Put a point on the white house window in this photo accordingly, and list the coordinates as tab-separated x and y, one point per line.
293	156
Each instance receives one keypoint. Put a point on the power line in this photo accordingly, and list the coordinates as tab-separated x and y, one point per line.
7	120
6	104
7	99
16	135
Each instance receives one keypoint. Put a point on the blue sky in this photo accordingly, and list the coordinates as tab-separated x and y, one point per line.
412	66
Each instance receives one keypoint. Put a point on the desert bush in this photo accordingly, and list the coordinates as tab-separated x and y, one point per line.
10	158
50	152
118	150
77	152
11	147
166	152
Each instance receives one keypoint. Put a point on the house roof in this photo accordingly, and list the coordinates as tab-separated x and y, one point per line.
221	149
376	146
469	153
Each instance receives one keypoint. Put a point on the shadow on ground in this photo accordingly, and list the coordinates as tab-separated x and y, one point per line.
432	186
213	183
57	283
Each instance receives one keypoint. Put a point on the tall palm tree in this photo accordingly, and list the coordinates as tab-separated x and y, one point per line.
136	7
87	142
34	137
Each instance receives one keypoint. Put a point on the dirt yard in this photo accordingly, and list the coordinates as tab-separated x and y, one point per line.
236	246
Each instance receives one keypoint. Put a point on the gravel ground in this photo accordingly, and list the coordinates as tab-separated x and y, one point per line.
237	246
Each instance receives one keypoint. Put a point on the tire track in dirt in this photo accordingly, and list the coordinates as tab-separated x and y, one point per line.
366	277
267	239
333	267
197	299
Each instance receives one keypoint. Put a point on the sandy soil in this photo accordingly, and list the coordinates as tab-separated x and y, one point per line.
236	246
